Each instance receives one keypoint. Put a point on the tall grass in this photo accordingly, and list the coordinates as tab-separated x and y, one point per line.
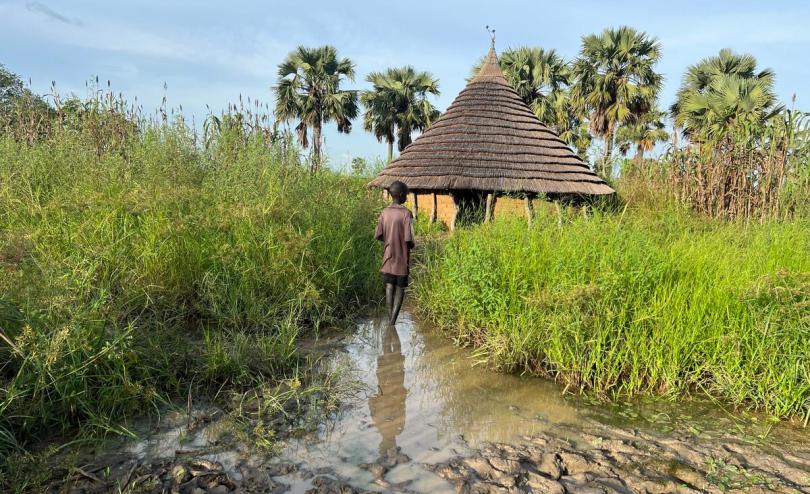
656	302
133	269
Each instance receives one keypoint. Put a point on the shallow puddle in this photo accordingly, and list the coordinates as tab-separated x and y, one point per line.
428	400
424	396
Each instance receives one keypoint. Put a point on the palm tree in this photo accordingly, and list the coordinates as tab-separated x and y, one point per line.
542	79
397	105
722	91
616	81
569	123
308	90
643	133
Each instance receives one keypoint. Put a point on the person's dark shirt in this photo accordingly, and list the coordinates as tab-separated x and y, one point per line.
395	230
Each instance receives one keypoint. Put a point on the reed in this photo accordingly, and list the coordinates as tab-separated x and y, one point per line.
751	172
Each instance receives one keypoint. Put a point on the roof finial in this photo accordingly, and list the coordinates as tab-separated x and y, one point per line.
491	33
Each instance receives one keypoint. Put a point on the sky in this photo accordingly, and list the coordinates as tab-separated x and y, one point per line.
210	53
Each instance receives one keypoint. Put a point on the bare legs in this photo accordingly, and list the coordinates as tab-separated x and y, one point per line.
399	296
394	295
389	299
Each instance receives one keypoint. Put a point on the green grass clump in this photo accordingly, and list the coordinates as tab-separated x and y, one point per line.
133	272
643	302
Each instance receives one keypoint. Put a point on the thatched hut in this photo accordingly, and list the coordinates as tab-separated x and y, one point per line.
489	144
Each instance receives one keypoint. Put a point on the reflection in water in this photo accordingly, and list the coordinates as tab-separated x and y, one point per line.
451	405
388	405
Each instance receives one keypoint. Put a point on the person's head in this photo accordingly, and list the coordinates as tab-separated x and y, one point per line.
399	192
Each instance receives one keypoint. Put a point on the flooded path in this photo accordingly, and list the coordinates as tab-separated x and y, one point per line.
424	399
427	420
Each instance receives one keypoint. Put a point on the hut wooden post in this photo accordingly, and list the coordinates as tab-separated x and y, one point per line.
415	206
529	210
433	210
455	212
559	213
488	212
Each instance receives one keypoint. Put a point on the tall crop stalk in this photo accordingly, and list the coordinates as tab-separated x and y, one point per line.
751	172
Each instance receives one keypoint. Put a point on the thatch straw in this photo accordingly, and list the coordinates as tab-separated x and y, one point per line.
490	140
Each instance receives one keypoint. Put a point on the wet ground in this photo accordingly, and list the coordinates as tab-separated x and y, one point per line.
427	419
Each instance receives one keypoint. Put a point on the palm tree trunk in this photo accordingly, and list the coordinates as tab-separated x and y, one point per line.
390	150
529	209
316	147
455	199
638	159
607	162
404	139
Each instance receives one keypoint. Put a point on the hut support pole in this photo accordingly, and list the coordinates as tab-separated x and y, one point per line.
433	210
488	212
529	210
415	206
455	212
559	213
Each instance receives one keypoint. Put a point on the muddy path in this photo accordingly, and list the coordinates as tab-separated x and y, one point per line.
426	419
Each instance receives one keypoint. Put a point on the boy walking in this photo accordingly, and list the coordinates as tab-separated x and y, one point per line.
395	231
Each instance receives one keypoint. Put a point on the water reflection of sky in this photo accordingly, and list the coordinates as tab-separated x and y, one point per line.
426	397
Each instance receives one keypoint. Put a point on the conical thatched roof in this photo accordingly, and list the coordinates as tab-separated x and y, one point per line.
489	140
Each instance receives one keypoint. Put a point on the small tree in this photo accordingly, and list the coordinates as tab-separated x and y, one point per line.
643	133
398	105
23	114
309	90
616	82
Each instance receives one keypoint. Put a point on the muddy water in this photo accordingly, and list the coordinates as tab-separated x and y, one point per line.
427	419
424	397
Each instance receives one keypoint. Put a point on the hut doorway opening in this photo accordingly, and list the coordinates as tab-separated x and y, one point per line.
470	207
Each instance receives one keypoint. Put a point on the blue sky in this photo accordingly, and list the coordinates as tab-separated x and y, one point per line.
211	52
